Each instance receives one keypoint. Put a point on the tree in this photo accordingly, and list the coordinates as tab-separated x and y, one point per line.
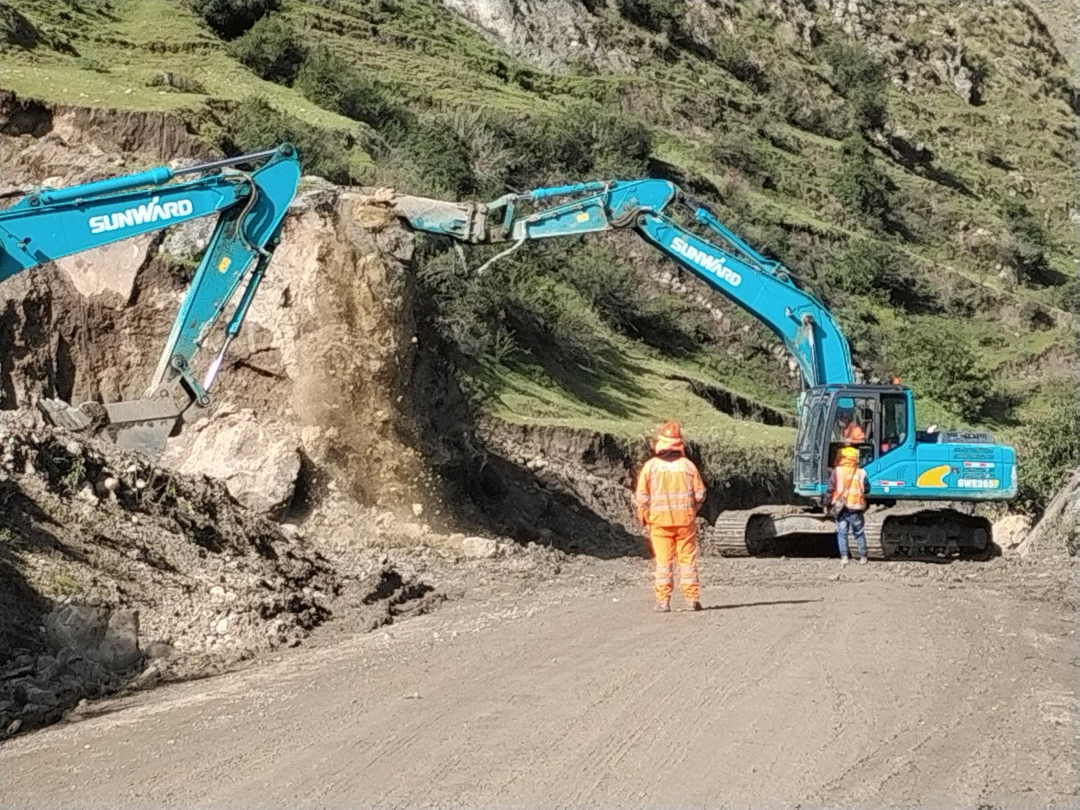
938	359
272	49
329	81
231	18
1028	241
862	81
860	186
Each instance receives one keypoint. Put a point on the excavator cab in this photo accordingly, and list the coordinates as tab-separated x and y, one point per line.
900	462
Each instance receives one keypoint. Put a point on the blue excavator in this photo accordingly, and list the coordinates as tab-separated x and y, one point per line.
923	484
47	224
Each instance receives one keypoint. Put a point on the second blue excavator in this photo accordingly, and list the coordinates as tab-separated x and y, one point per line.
922	483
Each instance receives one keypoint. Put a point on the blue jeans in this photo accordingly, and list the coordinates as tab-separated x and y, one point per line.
854	521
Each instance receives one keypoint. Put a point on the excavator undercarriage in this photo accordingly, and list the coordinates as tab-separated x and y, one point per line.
904	531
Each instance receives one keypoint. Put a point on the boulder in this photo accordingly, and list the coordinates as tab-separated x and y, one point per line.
258	460
1010	532
479	548
104	636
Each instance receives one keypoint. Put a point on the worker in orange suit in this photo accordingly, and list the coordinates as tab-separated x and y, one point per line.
669	494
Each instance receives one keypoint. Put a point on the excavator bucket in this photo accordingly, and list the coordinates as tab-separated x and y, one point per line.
143	425
464	221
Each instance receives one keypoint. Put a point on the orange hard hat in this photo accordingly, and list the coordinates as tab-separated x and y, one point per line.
670	430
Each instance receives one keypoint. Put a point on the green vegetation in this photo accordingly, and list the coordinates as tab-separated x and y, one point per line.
932	216
1049	444
231	18
272	49
938	359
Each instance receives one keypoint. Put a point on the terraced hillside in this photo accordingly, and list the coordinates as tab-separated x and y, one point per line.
912	162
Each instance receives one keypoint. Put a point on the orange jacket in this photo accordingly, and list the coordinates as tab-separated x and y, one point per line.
856	491
669	491
852	433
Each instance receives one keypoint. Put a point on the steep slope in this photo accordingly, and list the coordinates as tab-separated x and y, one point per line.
904	163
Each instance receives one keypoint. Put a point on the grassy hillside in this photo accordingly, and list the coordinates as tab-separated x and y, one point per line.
915	169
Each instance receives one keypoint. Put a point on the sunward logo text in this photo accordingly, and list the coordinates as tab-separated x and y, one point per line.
147	212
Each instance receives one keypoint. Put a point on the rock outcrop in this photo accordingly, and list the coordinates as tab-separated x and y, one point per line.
314	382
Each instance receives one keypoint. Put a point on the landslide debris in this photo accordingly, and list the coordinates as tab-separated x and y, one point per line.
117	573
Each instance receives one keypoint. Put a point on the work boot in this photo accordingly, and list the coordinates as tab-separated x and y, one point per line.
862	560
695	606
663	607
844	559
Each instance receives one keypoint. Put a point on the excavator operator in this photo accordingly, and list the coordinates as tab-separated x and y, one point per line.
669	494
847	428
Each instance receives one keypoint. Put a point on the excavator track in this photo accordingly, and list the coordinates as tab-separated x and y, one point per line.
909	531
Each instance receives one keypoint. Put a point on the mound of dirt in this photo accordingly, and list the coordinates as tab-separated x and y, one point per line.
115	572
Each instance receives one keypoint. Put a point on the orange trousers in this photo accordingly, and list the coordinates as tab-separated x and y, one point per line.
667	543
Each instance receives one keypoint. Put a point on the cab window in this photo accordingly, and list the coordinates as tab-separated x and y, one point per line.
854	423
894	426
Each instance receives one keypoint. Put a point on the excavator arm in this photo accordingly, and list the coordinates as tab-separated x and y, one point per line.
725	262
48	224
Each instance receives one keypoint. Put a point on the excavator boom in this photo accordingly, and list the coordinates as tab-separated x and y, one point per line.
48	224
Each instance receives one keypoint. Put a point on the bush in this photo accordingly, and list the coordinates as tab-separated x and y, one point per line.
488	142
582	142
519	312
1048	448
272	49
733	56
862	80
441	158
658	16
861	188
938	359
332	83
1028	242
744	152
614	289
256	125
231	18
872	268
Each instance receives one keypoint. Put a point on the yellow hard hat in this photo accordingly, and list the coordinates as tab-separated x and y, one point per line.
849	454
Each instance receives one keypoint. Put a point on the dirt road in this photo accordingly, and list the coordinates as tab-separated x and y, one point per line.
879	688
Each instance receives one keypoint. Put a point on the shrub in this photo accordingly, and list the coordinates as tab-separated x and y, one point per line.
744	152
734	56
874	269
938	359
441	158
583	141
1028	241
332	83
614	289
272	49
231	18
256	125
659	16
488	141
861	188
862	80
1048	447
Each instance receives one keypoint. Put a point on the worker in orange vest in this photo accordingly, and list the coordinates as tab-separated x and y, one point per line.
669	494
848	486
